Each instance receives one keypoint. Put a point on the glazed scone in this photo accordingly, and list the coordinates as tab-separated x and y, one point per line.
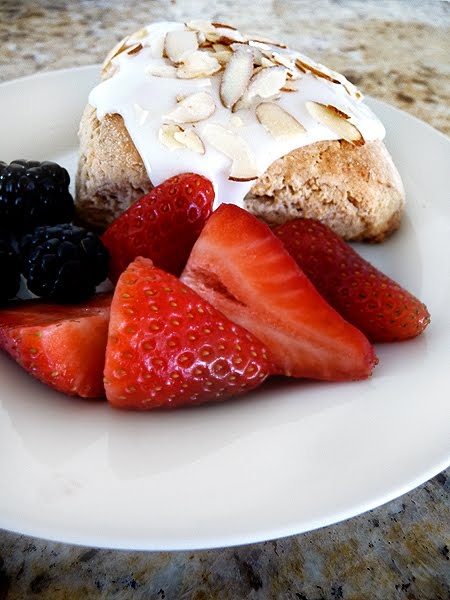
355	190
275	132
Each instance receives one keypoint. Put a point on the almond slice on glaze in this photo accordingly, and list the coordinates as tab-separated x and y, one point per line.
243	167
178	44
166	136
198	64
192	108
289	86
278	122
261	41
336	120
202	26
236	76
224	35
118	49
222	56
135	49
223	26
161	70
316	70
266	83
190	140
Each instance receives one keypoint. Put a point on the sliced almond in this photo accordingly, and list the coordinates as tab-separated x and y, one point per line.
278	122
223	56
266	83
267	62
178	44
135	49
118	48
317	70
223	26
166	136
222	48
158	70
190	140
236	76
192	108
224	35
336	120
201	26
289	86
243	166
283	59
258	40
198	64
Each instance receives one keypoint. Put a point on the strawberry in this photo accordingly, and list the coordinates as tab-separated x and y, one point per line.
242	268
367	298
167	347
61	345
163	225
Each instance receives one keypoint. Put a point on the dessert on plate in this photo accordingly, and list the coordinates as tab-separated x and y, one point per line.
276	132
196	136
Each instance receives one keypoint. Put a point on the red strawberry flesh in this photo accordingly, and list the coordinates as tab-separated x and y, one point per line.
61	345
362	294
240	266
167	347
163	225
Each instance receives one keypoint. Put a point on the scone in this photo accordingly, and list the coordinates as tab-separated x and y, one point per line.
274	131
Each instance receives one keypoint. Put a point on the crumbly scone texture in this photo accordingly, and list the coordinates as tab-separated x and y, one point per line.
356	190
111	174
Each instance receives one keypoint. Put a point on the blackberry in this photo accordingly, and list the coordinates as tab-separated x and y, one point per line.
9	269
34	193
63	263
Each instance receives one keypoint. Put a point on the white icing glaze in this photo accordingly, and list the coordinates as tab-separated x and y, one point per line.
144	101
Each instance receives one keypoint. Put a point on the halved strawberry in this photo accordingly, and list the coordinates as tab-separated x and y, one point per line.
239	266
163	225
373	302
167	347
61	345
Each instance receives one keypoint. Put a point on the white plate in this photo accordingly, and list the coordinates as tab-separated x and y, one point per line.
287	458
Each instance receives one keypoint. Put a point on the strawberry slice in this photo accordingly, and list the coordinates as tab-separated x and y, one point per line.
163	225
239	266
363	295
167	347
61	345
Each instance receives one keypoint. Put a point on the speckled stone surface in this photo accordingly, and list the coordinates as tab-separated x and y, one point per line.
397	51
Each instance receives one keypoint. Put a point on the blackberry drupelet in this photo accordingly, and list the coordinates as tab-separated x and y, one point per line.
9	269
34	193
63	263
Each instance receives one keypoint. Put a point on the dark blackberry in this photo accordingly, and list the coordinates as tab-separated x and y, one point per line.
34	193
9	269
63	263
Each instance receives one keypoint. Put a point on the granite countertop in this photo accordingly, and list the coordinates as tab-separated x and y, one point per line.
395	50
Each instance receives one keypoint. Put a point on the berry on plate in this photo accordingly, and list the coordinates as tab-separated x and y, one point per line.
242	269
34	193
167	347
64	262
364	296
163	225
9	269
62	346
